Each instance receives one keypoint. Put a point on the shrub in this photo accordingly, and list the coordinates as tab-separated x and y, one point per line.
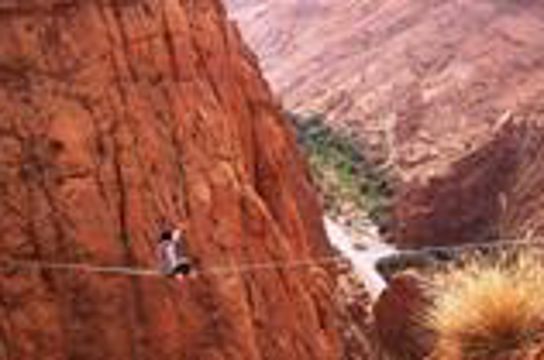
489	309
347	180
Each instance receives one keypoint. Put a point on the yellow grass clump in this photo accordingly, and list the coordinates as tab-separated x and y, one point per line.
489	309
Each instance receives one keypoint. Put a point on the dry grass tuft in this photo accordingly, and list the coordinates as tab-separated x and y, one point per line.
489	309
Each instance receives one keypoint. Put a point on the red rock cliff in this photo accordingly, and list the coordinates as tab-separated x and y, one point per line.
116	117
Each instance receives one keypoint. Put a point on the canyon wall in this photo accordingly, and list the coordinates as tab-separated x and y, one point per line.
120	118
447	91
492	193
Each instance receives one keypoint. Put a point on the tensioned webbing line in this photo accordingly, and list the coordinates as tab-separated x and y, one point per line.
13	265
16	264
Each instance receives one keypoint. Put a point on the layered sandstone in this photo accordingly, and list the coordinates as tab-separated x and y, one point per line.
447	90
119	118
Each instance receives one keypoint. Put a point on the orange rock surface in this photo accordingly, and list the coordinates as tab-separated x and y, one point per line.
450	92
398	321
119	117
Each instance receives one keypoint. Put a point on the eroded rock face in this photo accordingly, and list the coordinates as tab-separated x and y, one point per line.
523	202
119	117
398	317
465	203
492	193
448	91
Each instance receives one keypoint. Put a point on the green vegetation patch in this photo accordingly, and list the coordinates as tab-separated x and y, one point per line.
352	186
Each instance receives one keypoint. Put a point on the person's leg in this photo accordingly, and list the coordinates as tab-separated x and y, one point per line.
180	278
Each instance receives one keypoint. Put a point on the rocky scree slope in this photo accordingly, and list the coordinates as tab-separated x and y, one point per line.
120	116
447	91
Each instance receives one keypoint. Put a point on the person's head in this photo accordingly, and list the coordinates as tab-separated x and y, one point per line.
166	235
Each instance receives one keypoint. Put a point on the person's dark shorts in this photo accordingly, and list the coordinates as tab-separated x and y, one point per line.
183	268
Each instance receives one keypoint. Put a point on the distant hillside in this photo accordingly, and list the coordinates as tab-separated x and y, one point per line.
448	92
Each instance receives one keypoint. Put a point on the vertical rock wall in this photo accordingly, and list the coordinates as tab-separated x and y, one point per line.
121	116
